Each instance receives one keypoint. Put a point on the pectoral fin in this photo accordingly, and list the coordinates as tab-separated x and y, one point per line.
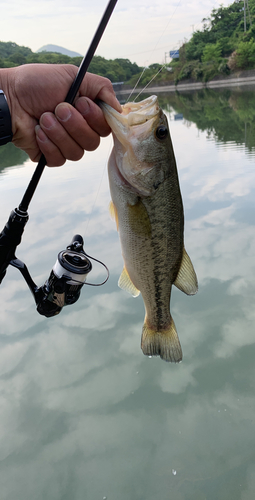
114	213
126	284
139	220
186	279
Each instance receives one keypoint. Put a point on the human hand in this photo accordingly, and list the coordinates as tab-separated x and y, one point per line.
43	123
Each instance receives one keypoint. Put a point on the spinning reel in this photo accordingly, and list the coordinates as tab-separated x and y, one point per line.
67	277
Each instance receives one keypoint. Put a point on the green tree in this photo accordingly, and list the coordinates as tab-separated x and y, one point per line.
245	54
9	48
212	53
194	48
17	58
129	68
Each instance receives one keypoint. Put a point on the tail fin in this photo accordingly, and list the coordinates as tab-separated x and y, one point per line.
164	343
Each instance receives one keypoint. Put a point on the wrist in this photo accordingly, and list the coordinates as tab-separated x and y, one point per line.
6	105
5	120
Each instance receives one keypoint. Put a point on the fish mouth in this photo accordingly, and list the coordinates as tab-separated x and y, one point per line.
131	130
133	114
141	112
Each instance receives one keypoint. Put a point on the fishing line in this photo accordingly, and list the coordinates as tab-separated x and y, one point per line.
150	82
93	284
206	15
178	5
145	67
153	50
217	3
70	99
99	187
146	51
94	204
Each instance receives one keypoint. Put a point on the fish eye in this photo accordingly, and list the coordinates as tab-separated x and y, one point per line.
161	132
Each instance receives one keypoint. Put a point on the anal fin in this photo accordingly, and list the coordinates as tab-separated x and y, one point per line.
186	279
126	284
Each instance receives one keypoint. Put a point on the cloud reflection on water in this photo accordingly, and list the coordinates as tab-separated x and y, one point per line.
83	413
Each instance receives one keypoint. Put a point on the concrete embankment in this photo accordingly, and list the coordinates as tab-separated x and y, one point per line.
238	79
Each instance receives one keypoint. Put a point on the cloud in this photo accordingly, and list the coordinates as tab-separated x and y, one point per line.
139	31
83	412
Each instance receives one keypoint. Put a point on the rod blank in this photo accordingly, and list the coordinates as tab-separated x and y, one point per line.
70	99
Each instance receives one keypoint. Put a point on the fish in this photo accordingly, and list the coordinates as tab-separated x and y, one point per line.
148	210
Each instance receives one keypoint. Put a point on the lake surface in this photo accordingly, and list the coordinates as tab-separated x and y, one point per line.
83	413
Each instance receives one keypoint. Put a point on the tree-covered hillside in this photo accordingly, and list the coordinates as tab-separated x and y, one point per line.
117	70
226	43
221	47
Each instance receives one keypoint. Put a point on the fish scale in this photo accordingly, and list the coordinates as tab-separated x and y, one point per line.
147	205
166	254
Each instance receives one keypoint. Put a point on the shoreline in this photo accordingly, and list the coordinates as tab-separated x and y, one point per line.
235	80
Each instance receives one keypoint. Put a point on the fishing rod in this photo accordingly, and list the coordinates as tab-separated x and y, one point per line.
73	265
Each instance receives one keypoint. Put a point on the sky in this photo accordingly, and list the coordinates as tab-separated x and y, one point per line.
143	31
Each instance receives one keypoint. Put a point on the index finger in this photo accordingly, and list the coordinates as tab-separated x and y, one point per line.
93	116
98	87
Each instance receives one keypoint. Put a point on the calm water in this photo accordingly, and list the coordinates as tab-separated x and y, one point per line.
83	413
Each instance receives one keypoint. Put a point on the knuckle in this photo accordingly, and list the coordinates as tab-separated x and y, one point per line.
34	156
107	82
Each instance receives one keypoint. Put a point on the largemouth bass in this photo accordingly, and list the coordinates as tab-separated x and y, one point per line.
147	205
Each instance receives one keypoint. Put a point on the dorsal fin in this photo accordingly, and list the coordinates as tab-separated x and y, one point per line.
126	284
186	279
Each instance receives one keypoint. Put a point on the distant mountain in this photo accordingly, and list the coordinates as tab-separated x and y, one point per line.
59	50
